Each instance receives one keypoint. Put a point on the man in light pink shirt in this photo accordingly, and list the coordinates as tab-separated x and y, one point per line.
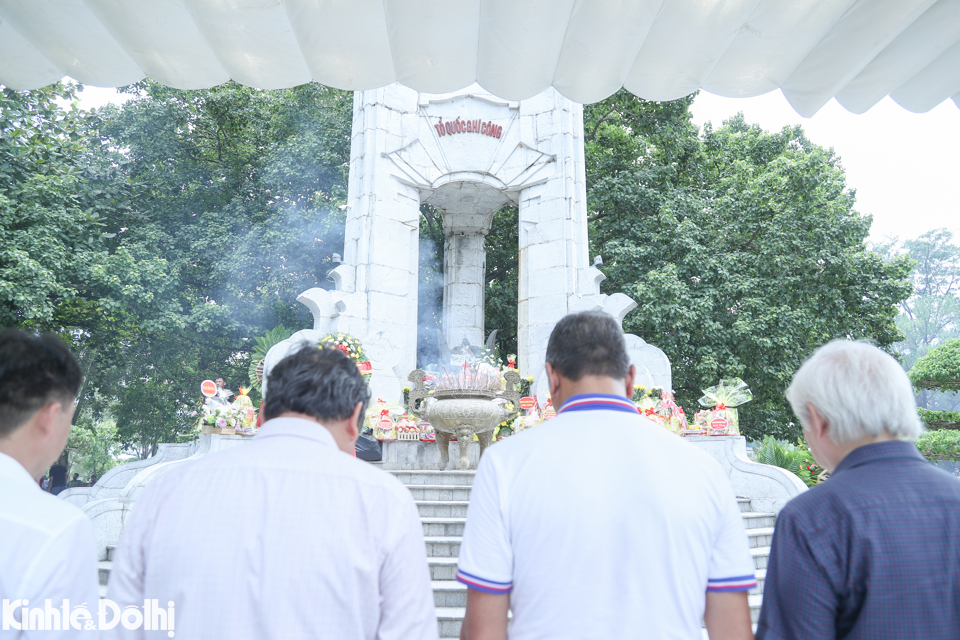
287	536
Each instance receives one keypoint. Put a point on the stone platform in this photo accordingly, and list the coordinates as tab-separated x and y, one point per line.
408	455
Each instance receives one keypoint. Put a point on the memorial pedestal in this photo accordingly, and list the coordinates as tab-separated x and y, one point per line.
410	455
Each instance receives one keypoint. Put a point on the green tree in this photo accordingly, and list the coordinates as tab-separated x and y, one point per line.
741	247
502	279
93	447
60	263
239	192
939	371
931	315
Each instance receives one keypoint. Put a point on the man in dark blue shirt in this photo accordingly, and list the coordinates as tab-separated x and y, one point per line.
875	551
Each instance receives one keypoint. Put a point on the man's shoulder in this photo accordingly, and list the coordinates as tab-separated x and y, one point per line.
42	512
369	474
251	458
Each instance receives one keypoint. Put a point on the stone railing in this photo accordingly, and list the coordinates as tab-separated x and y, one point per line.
769	488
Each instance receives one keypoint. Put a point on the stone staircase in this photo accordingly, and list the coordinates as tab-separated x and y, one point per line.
442	498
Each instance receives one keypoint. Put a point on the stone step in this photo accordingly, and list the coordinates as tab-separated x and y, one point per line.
443	526
449	593
443	568
103	570
446	478
760	537
443	508
758	519
103	590
449	621
440	492
111	548
443	546
760	556
755	602
744	504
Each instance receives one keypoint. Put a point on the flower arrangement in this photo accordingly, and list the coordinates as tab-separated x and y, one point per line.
382	418
353	348
346	343
222	416
720	418
644	395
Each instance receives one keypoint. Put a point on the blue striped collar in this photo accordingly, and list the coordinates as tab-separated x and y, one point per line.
598	402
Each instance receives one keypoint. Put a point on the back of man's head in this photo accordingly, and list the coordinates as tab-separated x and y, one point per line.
858	389
322	383
589	343
34	371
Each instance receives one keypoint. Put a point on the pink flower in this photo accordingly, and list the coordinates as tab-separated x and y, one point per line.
221	422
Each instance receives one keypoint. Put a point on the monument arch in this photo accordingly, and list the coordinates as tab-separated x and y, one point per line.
468	154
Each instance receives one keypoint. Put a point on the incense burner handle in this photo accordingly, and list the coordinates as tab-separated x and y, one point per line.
417	393
511	379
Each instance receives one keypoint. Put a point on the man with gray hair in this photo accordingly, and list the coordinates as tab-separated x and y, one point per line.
873	552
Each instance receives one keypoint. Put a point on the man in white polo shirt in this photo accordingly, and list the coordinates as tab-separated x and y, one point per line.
599	523
48	562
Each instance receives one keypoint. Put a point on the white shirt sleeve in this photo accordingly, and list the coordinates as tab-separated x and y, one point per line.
65	569
731	566
406	598
486	557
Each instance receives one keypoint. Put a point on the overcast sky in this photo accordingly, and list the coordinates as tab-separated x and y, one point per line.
902	165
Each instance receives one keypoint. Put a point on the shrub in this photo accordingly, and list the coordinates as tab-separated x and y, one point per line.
940	445
795	458
939	419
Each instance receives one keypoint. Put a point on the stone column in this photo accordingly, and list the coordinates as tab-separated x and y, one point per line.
378	280
553	226
464	269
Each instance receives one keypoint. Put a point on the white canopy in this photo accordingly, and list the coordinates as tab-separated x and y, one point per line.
858	51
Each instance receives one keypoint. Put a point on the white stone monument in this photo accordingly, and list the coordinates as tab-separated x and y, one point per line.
468	154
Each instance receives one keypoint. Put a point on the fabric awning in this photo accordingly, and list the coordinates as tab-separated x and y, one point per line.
858	51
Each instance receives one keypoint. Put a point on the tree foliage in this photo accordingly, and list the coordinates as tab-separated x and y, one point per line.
93	448
741	247
940	368
931	315
940	445
162	236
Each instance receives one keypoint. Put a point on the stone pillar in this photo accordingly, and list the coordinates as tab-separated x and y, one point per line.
464	269
376	286
553	226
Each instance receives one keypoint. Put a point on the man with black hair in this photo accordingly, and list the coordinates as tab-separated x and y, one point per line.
288	536
599	523
76	482
58	478
47	548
